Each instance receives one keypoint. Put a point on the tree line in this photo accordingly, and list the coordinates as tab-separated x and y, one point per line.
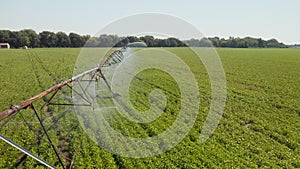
45	39
48	39
247	42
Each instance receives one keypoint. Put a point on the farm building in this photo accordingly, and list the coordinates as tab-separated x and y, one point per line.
4	45
137	44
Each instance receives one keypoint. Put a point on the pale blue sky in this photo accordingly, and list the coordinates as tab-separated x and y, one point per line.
258	18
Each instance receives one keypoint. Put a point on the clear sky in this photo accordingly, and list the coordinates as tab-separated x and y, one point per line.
239	18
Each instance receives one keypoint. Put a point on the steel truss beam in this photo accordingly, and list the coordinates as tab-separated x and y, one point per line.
114	58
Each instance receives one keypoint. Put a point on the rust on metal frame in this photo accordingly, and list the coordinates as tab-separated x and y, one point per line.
28	102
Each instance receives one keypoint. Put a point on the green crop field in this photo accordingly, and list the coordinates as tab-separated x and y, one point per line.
260	127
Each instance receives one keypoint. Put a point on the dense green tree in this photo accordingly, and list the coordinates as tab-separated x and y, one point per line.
274	43
123	41
93	42
47	39
261	43
251	42
76	40
32	36
173	42
23	39
215	41
193	42
13	39
4	36
85	38
149	40
63	40
133	39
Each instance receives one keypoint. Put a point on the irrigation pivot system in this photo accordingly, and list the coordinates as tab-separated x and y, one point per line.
93	74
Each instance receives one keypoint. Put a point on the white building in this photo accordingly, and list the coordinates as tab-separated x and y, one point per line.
4	45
